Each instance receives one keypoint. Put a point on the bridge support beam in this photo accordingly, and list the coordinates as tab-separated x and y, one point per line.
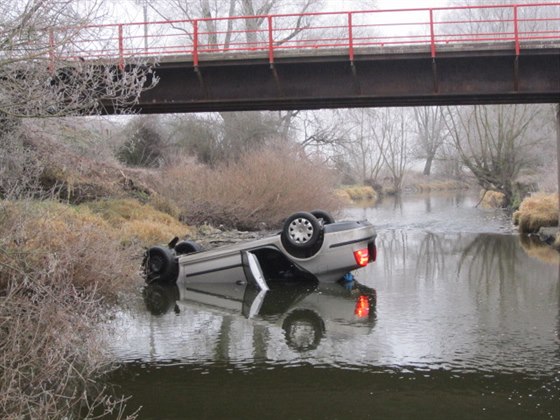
329	81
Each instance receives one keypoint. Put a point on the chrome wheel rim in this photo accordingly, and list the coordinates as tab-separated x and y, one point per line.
300	230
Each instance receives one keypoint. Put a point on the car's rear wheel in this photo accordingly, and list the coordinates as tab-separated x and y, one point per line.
160	264
187	247
301	231
323	215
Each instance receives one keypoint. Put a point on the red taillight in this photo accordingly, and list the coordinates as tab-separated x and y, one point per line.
362	307
362	257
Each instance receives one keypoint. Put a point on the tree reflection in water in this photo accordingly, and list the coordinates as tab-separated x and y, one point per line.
489	259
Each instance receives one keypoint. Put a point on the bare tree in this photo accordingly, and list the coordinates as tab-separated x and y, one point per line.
34	84
430	130
487	21
497	143
346	138
220	29
393	133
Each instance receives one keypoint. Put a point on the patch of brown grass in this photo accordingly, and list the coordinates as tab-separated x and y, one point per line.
135	223
258	191
493	200
67	242
358	192
436	185
536	211
60	269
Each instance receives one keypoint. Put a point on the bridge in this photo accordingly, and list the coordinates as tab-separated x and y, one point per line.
406	57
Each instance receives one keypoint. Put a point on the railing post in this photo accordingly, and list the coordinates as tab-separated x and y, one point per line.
270	41
350	38
516	30
51	50
121	47
195	43
432	35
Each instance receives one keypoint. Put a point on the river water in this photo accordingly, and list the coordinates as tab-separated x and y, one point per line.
459	317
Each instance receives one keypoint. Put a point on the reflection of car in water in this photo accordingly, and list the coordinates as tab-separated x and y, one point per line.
311	243
305	309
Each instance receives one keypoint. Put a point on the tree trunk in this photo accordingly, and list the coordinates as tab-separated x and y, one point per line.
428	166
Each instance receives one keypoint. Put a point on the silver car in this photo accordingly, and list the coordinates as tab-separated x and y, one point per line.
311	243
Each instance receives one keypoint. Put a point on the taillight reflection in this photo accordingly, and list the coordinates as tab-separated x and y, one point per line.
362	257
362	307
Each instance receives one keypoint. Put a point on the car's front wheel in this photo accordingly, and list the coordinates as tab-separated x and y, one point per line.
160	264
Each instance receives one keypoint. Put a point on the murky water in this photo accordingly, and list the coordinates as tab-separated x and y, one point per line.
454	320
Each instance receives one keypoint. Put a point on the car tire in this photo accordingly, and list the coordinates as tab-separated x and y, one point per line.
303	330
324	215
160	265
301	231
160	298
187	247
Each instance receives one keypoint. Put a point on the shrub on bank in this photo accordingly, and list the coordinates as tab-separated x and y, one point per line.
61	269
256	192
357	192
536	211
493	199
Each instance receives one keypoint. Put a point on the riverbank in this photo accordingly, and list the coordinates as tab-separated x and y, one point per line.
64	270
538	215
415	183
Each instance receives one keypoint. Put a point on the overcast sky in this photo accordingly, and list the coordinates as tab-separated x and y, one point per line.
384	4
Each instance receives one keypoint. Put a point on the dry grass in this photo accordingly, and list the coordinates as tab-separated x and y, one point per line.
65	242
435	185
539	210
493	200
135	223
257	192
61	269
357	192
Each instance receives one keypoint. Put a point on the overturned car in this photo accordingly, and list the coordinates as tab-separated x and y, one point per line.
308	243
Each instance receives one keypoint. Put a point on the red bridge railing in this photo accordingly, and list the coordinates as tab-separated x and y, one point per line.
271	36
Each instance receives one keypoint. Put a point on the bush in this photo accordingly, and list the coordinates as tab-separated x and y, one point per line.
258	191
493	199
144	146
59	269
20	169
539	210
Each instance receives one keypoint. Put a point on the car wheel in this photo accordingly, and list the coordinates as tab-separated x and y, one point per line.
160	298
160	264
187	247
301	231
324	215
303	330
